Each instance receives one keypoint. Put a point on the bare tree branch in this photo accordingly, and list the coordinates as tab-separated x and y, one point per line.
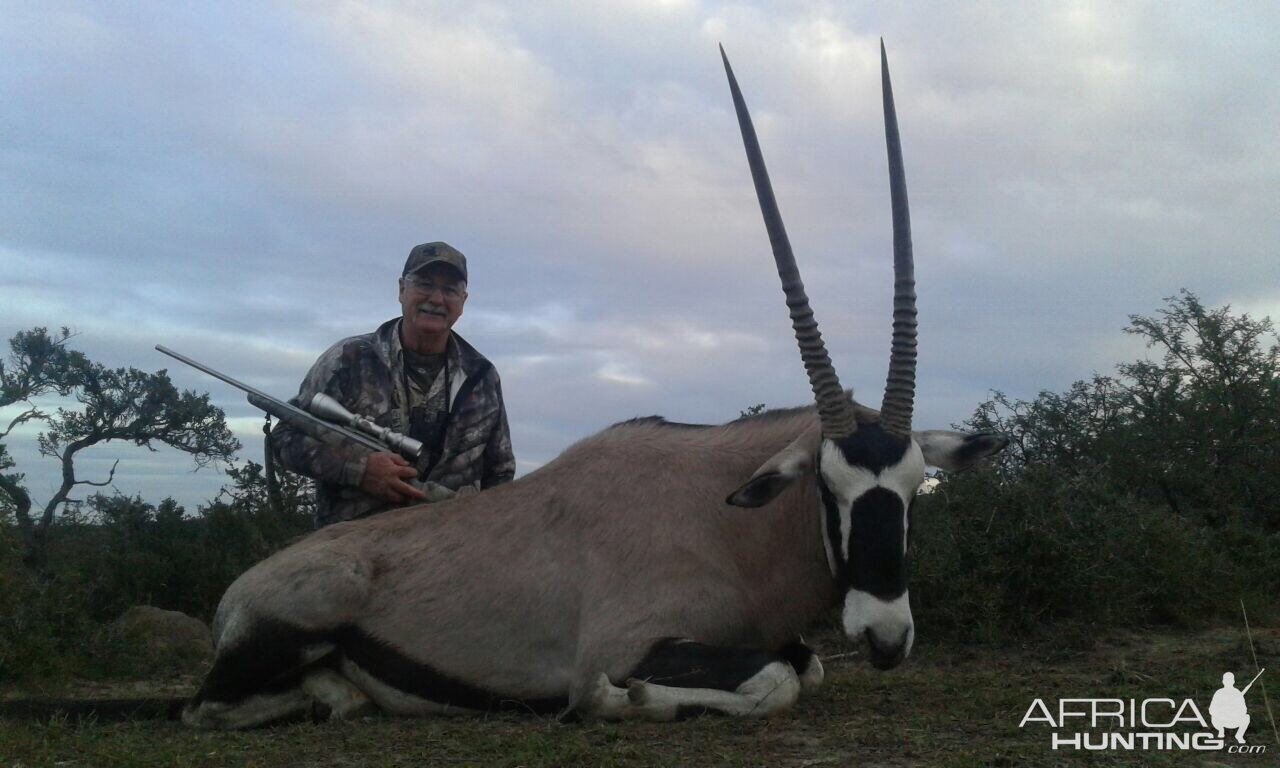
110	476
122	404
27	415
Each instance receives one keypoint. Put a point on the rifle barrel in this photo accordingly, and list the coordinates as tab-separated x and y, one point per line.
311	424
1254	680
215	374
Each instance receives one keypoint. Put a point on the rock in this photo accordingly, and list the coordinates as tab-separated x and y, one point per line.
164	635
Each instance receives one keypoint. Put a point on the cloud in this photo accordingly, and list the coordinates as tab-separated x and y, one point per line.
243	181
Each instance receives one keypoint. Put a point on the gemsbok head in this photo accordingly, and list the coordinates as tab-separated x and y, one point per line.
868	466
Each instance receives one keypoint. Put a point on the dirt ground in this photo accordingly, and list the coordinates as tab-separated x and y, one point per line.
946	706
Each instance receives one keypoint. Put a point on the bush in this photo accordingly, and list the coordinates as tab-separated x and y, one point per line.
44	622
1071	551
118	551
1144	498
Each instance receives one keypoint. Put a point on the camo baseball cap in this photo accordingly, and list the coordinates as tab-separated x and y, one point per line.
432	253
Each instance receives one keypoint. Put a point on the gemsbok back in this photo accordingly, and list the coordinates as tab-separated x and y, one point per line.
623	579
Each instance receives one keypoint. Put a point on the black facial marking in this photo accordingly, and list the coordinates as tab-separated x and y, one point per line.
877	563
910	526
831	508
872	448
685	664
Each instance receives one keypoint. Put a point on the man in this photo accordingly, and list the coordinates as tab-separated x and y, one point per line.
1227	710
417	377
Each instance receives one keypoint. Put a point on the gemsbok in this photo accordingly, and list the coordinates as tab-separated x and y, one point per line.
623	579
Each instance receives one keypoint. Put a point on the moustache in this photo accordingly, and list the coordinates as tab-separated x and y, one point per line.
431	310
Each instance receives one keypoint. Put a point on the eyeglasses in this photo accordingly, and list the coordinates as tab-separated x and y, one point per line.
451	292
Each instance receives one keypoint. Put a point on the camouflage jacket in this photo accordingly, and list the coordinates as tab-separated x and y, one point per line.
366	374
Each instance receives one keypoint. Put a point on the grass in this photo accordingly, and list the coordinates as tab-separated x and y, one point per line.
947	706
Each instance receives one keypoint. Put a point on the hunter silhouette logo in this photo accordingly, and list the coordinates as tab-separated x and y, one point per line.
1228	709
1157	724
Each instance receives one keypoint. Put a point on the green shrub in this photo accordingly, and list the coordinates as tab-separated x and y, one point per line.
44	622
1148	497
117	551
999	561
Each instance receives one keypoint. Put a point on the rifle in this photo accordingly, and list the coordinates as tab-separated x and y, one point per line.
1254	680
323	418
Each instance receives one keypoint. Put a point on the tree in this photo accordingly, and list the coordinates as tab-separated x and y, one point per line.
279	520
119	404
1207	415
38	363
1196	430
1144	496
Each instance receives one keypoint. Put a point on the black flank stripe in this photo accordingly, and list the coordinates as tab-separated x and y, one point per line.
391	667
686	664
266	661
269	661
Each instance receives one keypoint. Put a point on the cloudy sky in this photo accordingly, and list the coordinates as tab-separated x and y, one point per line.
242	182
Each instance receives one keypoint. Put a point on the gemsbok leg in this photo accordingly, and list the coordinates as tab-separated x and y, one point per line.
684	678
262	678
806	664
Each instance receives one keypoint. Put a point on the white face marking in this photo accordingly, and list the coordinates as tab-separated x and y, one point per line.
846	483
887	620
826	539
910	477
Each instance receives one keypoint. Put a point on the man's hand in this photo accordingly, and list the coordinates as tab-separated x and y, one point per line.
384	478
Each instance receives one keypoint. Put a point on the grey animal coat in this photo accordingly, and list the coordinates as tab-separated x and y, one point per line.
620	559
532	589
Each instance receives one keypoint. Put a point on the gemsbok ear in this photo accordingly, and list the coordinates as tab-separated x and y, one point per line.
954	451
780	471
